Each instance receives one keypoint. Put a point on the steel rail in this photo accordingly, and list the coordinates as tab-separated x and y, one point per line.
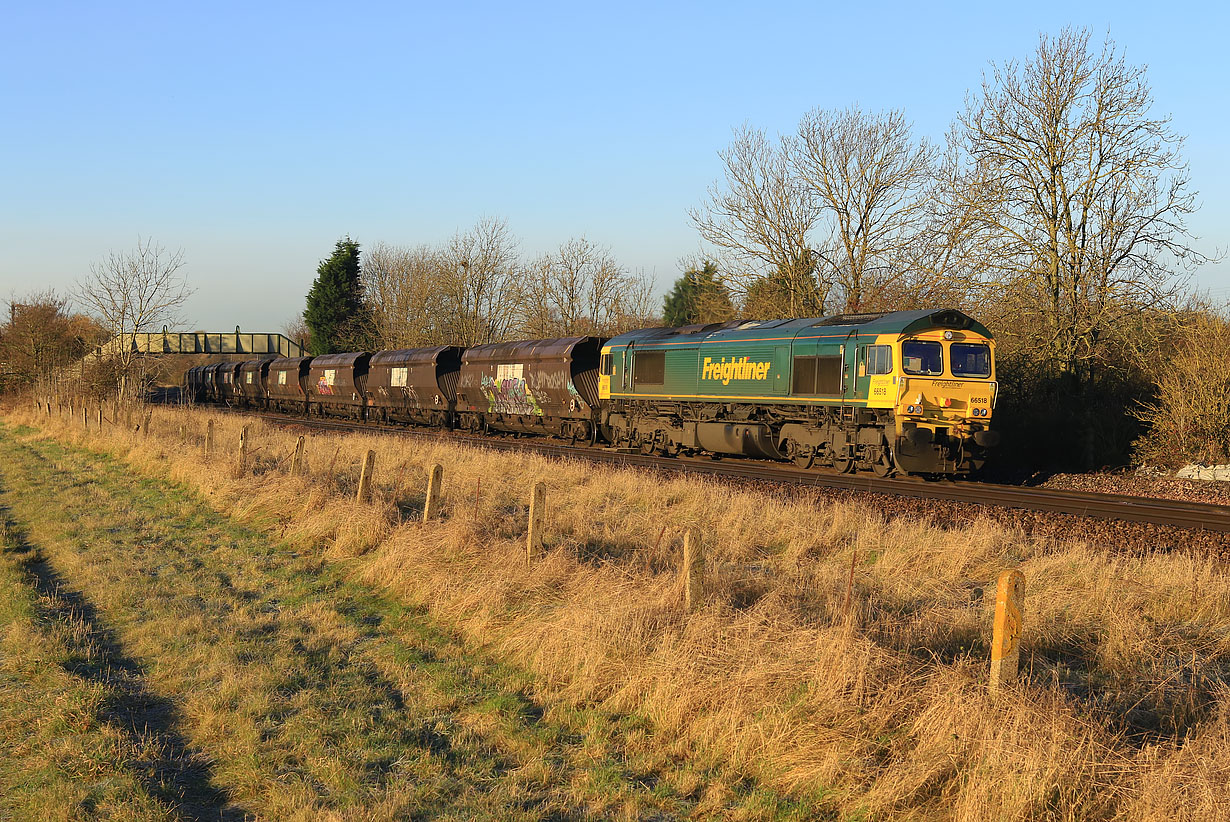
1186	515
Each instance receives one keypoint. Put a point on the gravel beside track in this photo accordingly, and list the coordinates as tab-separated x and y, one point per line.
1144	484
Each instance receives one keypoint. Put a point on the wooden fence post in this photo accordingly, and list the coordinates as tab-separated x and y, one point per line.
243	449
209	439
100	418
296	462
149	418
85	418
431	507
365	478
332	464
1006	634
538	508
693	569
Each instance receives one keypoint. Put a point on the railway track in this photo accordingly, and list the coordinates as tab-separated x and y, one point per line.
1191	516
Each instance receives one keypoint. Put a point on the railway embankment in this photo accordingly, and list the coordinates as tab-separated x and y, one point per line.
835	656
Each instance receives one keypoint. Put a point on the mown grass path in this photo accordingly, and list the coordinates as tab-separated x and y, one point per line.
243	680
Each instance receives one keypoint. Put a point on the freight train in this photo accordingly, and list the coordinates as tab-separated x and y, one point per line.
905	391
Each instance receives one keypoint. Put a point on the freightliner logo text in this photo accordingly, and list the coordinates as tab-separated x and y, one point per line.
735	369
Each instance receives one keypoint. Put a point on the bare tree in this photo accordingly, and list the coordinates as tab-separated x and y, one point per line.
296	329
947	260
539	316
581	289
869	177
761	217
480	270
130	293
1078	195
406	292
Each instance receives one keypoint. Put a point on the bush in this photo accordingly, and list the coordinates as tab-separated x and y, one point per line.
1190	419
1065	422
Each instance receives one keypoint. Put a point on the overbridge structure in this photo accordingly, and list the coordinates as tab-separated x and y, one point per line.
201	342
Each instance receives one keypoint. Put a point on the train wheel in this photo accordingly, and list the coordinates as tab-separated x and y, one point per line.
883	467
845	464
803	456
647	446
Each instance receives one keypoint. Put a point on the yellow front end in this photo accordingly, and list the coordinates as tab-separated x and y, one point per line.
942	391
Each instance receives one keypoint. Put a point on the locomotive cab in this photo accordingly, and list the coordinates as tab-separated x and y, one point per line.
939	384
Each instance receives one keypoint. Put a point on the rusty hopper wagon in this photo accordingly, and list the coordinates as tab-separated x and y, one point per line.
252	376
286	384
335	385
531	387
417	385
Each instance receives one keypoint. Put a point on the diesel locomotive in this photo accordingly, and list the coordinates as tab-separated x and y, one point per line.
905	391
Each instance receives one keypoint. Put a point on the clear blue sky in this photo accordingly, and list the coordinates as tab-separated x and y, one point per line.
255	135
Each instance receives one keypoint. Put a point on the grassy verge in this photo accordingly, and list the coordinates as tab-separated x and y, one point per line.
69	748
256	681
862	700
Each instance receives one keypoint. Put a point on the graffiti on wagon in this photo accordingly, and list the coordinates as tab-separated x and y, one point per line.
508	393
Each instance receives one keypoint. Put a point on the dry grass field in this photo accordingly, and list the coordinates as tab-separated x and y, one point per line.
314	654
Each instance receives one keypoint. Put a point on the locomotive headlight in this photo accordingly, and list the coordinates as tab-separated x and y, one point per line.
948	335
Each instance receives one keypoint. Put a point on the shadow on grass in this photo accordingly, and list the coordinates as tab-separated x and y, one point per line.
180	777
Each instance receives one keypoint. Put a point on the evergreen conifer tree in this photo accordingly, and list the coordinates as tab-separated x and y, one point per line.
335	311
698	296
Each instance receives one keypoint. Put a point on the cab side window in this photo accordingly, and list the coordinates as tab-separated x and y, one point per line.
879	359
606	365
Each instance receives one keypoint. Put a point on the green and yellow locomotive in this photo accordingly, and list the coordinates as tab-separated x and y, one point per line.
909	391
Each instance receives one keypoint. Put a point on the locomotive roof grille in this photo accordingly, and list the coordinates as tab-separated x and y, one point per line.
951	319
852	319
